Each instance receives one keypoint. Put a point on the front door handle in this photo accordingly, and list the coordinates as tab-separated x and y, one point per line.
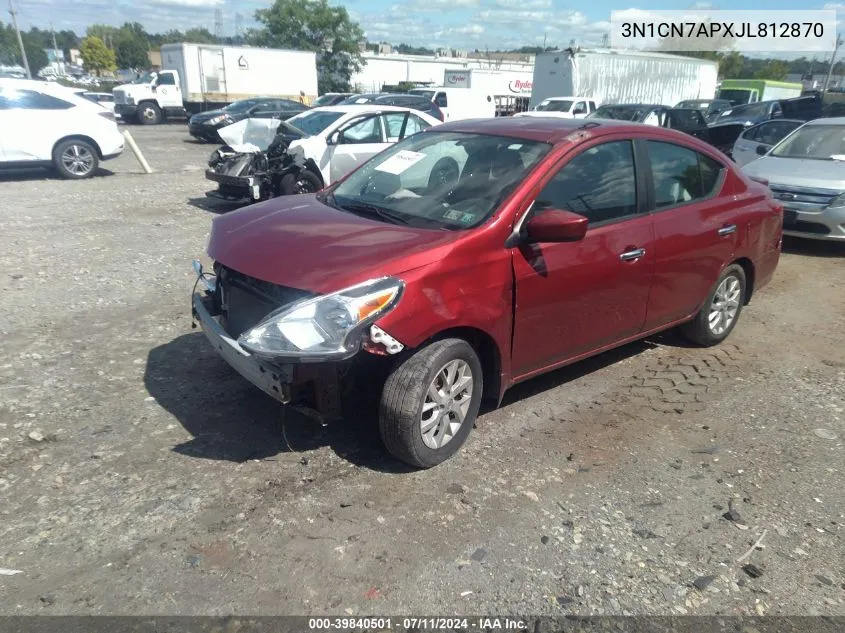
629	256
727	230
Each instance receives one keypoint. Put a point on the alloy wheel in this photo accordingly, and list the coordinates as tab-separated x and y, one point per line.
447	401
78	160
725	305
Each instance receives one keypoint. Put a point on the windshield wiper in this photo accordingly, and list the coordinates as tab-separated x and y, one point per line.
373	210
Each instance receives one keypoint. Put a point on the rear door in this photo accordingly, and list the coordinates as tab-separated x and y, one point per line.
357	141
694	227
577	297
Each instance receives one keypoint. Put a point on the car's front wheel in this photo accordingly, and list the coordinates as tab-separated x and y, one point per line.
430	402
720	312
303	182
149	113
75	159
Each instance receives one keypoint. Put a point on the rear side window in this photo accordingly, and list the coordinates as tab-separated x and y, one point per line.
31	100
441	100
680	174
600	184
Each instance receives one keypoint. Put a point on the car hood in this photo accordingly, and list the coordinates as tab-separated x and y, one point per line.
799	172
299	242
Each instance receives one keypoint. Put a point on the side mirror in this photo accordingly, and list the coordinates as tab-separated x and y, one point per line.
762	150
556	225
333	139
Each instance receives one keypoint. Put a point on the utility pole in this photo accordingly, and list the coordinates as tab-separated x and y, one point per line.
14	14
832	60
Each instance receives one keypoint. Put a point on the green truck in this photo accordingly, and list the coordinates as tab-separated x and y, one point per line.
742	91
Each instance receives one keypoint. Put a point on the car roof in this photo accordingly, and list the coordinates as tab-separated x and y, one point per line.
358	109
549	129
837	120
633	105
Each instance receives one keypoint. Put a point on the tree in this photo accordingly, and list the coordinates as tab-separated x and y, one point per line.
199	36
96	56
131	51
315	25
774	69
36	56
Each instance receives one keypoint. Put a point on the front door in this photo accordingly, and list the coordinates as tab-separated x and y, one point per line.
573	298
168	93
357	142
694	228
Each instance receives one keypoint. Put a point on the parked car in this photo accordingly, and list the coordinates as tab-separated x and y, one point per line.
710	108
752	113
649	114
44	125
688	120
204	125
562	108
759	139
806	173
330	98
476	255
105	99
414	102
313	149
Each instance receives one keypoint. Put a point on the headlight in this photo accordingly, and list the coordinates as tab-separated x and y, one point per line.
220	118
130	100
327	327
838	201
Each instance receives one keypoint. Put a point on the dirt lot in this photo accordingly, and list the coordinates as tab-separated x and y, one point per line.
140	475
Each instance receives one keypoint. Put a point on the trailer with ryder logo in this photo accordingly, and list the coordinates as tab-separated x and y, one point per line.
510	89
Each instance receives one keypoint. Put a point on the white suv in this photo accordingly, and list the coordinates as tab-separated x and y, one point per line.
45	124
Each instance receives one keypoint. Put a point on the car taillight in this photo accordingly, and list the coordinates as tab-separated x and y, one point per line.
108	115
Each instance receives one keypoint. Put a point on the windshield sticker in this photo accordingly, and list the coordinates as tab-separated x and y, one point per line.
400	161
453	215
360	101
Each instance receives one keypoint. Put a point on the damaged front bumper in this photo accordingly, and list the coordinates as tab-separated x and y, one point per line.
275	381
247	188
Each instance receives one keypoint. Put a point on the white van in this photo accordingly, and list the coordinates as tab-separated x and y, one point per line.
459	103
563	108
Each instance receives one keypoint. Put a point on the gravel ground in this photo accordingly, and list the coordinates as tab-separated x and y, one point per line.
140	475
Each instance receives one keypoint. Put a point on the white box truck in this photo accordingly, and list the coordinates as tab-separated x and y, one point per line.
197	77
510	89
611	76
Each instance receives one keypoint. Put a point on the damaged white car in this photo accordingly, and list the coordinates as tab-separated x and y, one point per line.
268	158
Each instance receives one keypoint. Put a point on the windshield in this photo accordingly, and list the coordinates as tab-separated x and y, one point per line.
748	112
146	78
240	106
620	113
439	180
695	105
428	94
325	100
817	142
554	106
313	122
735	96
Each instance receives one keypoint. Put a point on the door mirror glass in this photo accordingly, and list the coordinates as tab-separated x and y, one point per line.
556	225
333	139
763	150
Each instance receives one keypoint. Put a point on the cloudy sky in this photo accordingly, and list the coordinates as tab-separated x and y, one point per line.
457	23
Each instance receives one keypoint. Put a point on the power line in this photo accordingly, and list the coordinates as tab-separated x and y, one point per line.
13	13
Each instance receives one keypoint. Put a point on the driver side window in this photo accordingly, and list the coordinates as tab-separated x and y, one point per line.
580	108
600	184
166	80
366	131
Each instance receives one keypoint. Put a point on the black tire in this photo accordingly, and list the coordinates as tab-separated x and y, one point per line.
149	113
303	182
405	392
699	330
75	159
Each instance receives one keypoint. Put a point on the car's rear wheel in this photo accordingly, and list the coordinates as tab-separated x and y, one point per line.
720	313
303	182
149	113
75	159
430	402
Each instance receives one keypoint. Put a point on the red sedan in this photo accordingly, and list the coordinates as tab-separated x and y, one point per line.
478	254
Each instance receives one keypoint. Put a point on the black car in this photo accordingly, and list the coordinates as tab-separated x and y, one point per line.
751	113
648	113
710	108
330	99
414	102
204	125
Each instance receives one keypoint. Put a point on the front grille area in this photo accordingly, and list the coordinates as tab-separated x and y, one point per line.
119	97
245	300
800	226
803	196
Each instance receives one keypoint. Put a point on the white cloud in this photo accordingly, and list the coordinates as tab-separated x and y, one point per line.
524	4
187	3
702	5
836	6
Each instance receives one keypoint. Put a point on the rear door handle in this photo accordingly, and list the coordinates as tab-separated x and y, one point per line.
629	256
727	230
